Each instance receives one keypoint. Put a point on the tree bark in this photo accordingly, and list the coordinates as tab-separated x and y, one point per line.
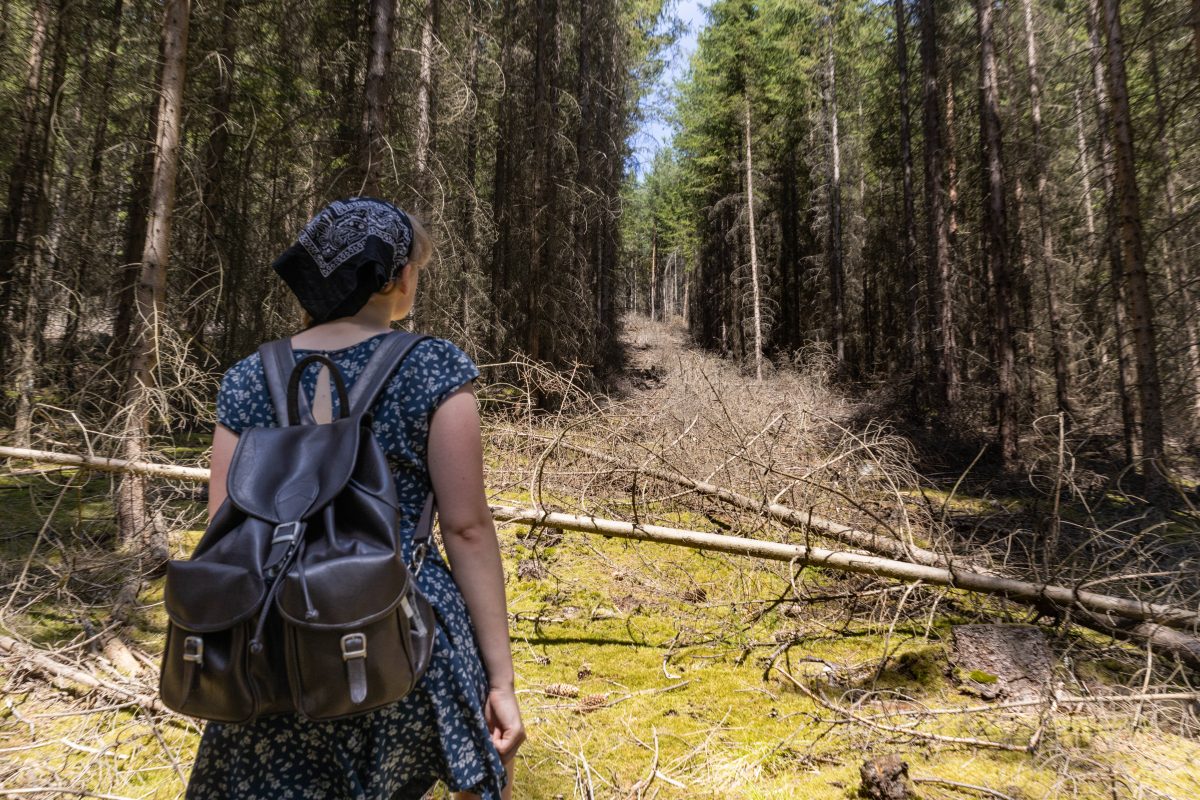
95	168
426	102
939	269
653	270
1196	28
837	290
995	232
758	335
908	259
206	279
19	188
1125	377
1177	272
373	147
33	263
1136	282
1085	173
138	532
1059	343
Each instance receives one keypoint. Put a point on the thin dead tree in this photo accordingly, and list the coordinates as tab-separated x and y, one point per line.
137	531
754	282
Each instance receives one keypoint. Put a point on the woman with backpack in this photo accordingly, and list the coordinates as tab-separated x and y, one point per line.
354	270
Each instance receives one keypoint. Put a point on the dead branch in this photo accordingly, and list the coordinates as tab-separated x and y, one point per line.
868	723
64	675
875	543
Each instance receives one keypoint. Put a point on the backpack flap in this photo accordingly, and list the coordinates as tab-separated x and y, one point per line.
282	474
205	596
325	592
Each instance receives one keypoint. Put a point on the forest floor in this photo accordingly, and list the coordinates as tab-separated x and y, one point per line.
647	670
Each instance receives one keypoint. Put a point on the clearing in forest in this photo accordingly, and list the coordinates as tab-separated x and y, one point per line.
648	670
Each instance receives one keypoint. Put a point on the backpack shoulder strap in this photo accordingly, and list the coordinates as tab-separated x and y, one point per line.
383	362
278	361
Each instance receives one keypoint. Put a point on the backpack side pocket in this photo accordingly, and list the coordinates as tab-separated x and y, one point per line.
206	661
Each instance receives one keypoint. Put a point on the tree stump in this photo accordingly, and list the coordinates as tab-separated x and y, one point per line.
1014	662
885	778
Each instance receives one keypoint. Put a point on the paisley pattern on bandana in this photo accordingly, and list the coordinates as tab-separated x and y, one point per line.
340	232
438	731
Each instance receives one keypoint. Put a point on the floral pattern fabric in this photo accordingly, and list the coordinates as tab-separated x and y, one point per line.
438	731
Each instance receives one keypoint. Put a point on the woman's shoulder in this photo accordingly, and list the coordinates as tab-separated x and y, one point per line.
247	370
433	351
434	368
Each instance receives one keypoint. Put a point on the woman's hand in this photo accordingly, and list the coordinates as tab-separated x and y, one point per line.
504	721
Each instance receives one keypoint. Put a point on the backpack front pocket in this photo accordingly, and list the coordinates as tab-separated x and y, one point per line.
339	672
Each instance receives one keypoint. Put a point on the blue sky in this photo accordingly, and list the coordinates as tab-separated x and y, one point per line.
654	132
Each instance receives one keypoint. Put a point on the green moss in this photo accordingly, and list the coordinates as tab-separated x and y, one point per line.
979	676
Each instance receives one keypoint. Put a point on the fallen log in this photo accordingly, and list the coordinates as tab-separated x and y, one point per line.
958	578
103	464
1096	608
880	545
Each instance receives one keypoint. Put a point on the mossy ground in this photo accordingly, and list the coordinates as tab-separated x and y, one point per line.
640	668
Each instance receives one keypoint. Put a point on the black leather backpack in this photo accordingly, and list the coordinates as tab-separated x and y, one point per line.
297	597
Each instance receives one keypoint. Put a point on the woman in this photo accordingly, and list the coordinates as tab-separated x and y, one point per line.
354	270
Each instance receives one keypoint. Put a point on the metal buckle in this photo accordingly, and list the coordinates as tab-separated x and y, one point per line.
285	537
413	616
419	557
193	650
354	645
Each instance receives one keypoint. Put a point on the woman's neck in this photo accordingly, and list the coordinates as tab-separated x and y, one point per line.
371	319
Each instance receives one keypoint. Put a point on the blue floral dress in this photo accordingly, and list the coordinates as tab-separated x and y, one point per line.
438	731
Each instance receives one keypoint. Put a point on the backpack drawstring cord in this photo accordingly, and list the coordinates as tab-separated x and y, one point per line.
256	644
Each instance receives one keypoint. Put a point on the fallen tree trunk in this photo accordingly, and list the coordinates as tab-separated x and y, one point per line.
1096	609
881	545
107	464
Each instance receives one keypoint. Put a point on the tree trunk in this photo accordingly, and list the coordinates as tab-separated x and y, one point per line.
19	188
205	277
908	259
1059	344
95	168
653	269
1196	28
426	101
372	145
1085	173
939	270
138	533
837	288
33	263
995	231
1136	282
951	166
470	196
758	346
1177	272
1125	377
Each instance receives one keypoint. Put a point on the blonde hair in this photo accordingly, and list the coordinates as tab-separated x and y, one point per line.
420	253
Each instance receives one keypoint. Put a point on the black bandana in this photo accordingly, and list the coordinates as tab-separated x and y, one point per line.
345	254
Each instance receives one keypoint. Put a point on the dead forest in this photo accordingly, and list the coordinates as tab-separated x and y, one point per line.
845	446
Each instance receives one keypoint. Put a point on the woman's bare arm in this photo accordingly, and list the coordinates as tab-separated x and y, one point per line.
468	533
224	442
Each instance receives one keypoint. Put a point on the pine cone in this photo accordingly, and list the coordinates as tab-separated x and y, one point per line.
562	690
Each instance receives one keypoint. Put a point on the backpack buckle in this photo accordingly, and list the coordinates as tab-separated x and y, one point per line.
354	645
193	650
418	557
279	537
